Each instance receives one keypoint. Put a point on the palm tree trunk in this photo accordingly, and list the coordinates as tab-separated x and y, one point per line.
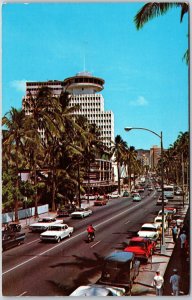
17	186
53	191
79	187
119	183
35	196
16	201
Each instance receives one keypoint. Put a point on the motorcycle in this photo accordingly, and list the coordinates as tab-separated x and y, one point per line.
90	237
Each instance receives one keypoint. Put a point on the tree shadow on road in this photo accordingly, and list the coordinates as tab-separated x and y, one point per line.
89	269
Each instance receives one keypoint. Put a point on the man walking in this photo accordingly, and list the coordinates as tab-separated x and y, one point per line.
158	283
175	280
174	233
183	238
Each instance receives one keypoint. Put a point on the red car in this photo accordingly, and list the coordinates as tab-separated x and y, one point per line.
143	248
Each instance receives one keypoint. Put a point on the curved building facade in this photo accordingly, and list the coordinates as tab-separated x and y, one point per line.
84	89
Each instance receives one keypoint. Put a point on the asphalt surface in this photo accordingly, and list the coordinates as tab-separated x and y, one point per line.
45	269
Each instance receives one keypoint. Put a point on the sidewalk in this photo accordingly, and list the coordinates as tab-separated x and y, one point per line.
144	282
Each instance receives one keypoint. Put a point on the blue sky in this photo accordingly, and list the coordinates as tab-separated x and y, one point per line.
146	81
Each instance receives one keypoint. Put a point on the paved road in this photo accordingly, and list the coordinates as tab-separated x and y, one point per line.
57	269
45	269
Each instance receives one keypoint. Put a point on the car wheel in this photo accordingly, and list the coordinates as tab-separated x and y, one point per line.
69	234
59	239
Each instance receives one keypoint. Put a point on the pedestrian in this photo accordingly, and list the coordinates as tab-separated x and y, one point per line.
175	280
174	233
183	238
158	284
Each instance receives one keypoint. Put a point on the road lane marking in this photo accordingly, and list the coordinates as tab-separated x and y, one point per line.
71	238
95	244
23	263
127	222
22	294
32	242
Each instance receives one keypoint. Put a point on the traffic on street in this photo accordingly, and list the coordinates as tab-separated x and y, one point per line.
50	263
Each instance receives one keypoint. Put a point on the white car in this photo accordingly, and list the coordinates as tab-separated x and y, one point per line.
159	200
114	195
149	230
81	213
44	223
98	290
56	233
158	222
90	196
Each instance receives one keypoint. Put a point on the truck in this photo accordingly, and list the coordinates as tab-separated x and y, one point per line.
120	269
10	240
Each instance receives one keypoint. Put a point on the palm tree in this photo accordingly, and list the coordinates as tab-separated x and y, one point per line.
13	143
154	9
119	151
44	115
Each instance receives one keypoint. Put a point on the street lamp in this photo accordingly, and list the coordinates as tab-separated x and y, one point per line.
162	181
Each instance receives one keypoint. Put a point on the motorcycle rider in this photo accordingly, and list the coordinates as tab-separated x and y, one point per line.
91	231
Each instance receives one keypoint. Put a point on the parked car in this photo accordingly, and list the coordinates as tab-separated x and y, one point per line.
10	240
179	192
114	195
11	227
120	270
150	188
90	197
171	209
158	221
97	290
159	200
126	194
133	192
136	197
143	248
81	213
100	201
141	189
149	230
56	233
66	211
44	223
168	212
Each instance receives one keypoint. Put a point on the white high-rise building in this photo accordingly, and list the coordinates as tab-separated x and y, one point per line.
84	89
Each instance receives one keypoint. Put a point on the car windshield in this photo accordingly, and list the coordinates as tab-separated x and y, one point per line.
55	228
137	244
45	220
148	229
115	272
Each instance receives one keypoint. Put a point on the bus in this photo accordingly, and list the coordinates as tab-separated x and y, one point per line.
168	191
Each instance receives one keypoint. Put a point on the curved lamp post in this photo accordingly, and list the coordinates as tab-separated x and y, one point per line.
162	181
